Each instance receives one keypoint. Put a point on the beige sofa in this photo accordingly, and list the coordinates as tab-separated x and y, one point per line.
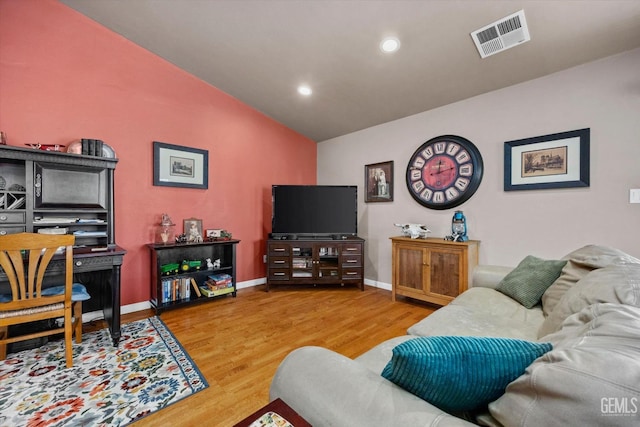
590	314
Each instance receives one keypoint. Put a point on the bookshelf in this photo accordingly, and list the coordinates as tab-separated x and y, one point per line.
178	269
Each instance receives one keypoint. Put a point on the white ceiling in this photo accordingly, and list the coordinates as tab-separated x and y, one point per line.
259	51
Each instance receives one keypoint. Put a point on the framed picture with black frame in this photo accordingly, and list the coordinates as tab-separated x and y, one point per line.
559	160
179	166
378	181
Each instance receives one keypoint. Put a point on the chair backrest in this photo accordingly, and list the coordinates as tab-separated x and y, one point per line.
24	257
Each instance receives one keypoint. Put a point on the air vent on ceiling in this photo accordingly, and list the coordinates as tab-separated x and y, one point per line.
501	35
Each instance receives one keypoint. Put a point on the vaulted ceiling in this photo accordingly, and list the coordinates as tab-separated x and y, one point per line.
259	51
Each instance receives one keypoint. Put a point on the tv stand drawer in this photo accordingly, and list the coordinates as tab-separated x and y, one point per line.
278	262
352	248
279	274
279	249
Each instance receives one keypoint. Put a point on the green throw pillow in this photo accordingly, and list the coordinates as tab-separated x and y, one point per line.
458	373
527	282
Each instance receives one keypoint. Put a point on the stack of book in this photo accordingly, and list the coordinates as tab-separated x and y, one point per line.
175	289
217	284
92	147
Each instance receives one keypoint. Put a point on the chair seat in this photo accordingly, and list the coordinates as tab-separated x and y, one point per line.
79	293
32	310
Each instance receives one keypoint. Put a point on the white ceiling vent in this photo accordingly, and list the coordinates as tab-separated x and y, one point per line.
501	35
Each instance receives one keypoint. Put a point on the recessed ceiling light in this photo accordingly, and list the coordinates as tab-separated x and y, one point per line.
304	90
389	44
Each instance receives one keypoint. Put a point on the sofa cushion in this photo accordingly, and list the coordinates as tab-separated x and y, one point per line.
527	282
592	375
458	373
482	312
580	263
614	284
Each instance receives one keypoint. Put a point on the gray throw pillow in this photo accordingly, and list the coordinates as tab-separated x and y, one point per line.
527	282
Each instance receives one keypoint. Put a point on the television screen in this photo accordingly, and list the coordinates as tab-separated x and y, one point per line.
314	210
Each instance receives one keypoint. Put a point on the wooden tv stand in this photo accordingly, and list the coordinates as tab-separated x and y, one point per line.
315	262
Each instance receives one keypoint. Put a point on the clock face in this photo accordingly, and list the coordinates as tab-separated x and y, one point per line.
444	172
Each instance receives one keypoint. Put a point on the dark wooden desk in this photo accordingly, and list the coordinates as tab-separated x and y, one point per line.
99	271
86	260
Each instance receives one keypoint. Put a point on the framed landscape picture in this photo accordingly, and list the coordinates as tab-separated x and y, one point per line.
178	166
559	160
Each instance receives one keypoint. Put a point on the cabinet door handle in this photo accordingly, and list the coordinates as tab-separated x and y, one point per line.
278	249
78	263
352	261
351	273
278	274
278	262
3	233
352	249
3	218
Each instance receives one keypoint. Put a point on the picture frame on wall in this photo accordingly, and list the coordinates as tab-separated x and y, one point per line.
559	160
193	230
179	166
378	182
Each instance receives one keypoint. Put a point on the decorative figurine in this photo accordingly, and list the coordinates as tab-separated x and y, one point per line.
210	265
166	229
414	230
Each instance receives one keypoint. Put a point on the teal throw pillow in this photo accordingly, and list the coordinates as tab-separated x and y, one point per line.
458	373
527	282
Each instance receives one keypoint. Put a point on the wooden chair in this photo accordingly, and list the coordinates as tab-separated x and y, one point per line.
24	257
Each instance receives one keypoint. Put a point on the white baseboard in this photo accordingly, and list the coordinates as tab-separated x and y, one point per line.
139	306
376	284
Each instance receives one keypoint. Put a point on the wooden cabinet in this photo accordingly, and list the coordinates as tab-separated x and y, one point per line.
304	262
175	266
55	192
45	190
432	270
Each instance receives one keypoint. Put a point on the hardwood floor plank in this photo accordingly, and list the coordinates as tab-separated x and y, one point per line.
237	343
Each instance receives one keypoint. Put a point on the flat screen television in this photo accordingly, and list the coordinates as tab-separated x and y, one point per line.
316	211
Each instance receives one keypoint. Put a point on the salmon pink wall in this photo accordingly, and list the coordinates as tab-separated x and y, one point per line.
64	77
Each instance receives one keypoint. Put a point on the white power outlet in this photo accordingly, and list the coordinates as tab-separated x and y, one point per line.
264	259
634	195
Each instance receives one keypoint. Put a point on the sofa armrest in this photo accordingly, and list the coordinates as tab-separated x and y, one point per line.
328	389
488	276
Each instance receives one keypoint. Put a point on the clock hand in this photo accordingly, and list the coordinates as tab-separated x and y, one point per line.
440	171
439	166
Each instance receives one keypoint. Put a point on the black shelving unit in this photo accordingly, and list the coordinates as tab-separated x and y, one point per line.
161	255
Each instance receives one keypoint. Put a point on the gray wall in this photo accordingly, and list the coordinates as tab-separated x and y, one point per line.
603	95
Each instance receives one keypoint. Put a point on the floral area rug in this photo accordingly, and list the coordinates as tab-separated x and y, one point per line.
107	386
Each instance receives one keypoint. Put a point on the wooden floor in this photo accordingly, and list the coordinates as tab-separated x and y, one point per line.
237	343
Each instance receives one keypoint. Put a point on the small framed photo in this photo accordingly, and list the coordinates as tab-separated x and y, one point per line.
559	160
378	182
193	230
178	166
214	233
